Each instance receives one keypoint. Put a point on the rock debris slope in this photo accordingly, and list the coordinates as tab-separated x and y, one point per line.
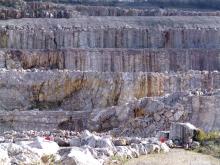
130	66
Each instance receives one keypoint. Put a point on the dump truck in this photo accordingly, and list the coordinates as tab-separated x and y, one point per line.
183	134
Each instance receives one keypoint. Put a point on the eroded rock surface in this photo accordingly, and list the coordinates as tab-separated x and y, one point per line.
125	69
78	91
129	67
146	116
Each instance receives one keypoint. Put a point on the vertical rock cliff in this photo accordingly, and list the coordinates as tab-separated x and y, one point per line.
98	64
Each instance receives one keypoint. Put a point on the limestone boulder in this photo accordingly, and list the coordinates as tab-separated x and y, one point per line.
195	144
157	117
62	142
126	152
104	151
4	158
95	141
2	139
178	115
19	154
169	143
44	147
86	134
152	148
140	148
164	148
135	140
120	142
75	141
168	114
79	156
104	143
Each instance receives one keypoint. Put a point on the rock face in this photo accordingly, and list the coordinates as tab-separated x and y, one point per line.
145	116
50	10
76	67
78	91
113	60
114	32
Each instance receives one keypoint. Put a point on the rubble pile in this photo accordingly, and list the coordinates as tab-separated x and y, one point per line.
68	147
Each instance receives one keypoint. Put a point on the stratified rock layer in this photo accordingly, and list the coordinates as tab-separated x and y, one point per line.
113	60
88	90
43	120
127	66
141	117
111	32
52	10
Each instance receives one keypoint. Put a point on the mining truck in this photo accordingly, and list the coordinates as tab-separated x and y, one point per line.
181	134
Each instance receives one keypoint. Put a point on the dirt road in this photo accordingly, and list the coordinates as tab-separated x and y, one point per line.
175	157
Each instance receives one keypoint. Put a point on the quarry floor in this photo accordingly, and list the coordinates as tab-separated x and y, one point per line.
175	157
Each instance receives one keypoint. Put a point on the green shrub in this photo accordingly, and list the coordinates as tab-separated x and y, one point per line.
214	135
209	149
203	136
210	143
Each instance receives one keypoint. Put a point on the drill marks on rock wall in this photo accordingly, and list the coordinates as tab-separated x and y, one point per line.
112	60
134	32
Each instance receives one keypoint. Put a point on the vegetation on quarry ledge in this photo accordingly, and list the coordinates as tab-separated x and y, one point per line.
210	143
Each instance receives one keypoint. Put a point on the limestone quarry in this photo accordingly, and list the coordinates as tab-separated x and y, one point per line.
124	69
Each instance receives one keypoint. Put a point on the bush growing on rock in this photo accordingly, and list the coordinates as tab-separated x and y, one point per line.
202	136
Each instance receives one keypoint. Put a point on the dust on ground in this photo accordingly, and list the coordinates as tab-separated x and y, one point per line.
175	157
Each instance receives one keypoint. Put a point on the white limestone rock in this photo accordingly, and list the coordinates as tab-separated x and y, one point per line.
75	141
126	152
140	148
96	141
4	158
79	156
19	154
178	115
164	148
44	147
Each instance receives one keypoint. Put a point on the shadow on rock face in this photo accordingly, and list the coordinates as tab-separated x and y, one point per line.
72	124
